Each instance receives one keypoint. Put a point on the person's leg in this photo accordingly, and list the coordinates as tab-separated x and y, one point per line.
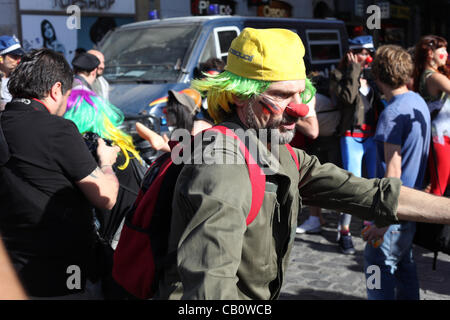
379	269
370	162
380	282
407	282
317	212
370	157
315	220
352	153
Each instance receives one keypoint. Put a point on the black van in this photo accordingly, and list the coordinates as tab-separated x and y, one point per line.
146	59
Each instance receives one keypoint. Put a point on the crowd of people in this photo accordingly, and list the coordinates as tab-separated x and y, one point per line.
387	117
373	136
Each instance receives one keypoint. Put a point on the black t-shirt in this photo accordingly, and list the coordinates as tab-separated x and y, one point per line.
45	220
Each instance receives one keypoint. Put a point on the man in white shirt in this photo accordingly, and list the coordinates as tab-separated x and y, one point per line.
100	85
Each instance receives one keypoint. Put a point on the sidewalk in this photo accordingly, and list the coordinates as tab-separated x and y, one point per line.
318	271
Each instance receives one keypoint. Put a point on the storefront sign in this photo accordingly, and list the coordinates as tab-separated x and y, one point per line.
208	7
91	6
277	9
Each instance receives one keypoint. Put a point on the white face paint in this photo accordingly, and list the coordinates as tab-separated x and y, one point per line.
440	56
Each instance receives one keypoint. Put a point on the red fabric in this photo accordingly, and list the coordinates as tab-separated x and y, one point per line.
294	156
368	132
440	181
134	250
299	140
358	134
257	176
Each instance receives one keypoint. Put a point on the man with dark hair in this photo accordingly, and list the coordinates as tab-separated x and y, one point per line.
85	67
50	181
10	53
37	76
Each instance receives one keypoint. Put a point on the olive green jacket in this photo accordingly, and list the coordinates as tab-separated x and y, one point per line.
219	256
344	86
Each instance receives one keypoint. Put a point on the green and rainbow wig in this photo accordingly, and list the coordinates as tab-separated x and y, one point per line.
221	88
93	114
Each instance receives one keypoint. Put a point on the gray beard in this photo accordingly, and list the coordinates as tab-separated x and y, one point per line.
272	130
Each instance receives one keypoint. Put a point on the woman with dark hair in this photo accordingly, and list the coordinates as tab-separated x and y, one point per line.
49	37
431	80
180	112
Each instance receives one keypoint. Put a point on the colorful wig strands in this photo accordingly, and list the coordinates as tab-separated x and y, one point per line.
221	88
90	113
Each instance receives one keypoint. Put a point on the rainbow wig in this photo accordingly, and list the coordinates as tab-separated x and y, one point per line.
221	88
93	114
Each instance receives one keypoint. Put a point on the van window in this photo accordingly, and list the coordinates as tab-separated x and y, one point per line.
324	46
218	43
152	54
225	39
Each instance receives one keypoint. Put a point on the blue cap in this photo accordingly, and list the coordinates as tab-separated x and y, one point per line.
361	42
10	45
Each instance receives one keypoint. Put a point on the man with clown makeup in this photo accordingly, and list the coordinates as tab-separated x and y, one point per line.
259	96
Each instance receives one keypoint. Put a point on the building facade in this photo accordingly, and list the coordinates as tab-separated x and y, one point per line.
401	21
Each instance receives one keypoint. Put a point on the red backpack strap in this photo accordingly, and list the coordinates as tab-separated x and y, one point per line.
257	176
147	204
294	155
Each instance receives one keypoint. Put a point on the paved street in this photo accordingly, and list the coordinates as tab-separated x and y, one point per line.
318	271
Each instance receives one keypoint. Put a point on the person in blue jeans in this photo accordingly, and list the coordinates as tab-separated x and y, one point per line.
402	138
359	102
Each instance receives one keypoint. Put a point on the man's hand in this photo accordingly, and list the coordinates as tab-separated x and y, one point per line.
101	186
107	155
373	233
351	57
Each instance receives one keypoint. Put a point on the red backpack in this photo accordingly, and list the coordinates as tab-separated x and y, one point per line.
142	252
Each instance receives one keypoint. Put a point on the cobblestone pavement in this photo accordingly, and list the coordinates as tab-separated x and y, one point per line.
318	271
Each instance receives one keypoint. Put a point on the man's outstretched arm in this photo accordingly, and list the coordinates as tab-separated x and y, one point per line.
419	206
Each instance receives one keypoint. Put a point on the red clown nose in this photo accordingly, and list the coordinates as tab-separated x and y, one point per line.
369	59
297	110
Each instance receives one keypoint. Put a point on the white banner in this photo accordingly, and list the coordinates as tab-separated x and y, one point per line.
91	6
49	32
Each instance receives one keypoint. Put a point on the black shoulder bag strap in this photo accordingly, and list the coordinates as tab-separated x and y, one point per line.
4	149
